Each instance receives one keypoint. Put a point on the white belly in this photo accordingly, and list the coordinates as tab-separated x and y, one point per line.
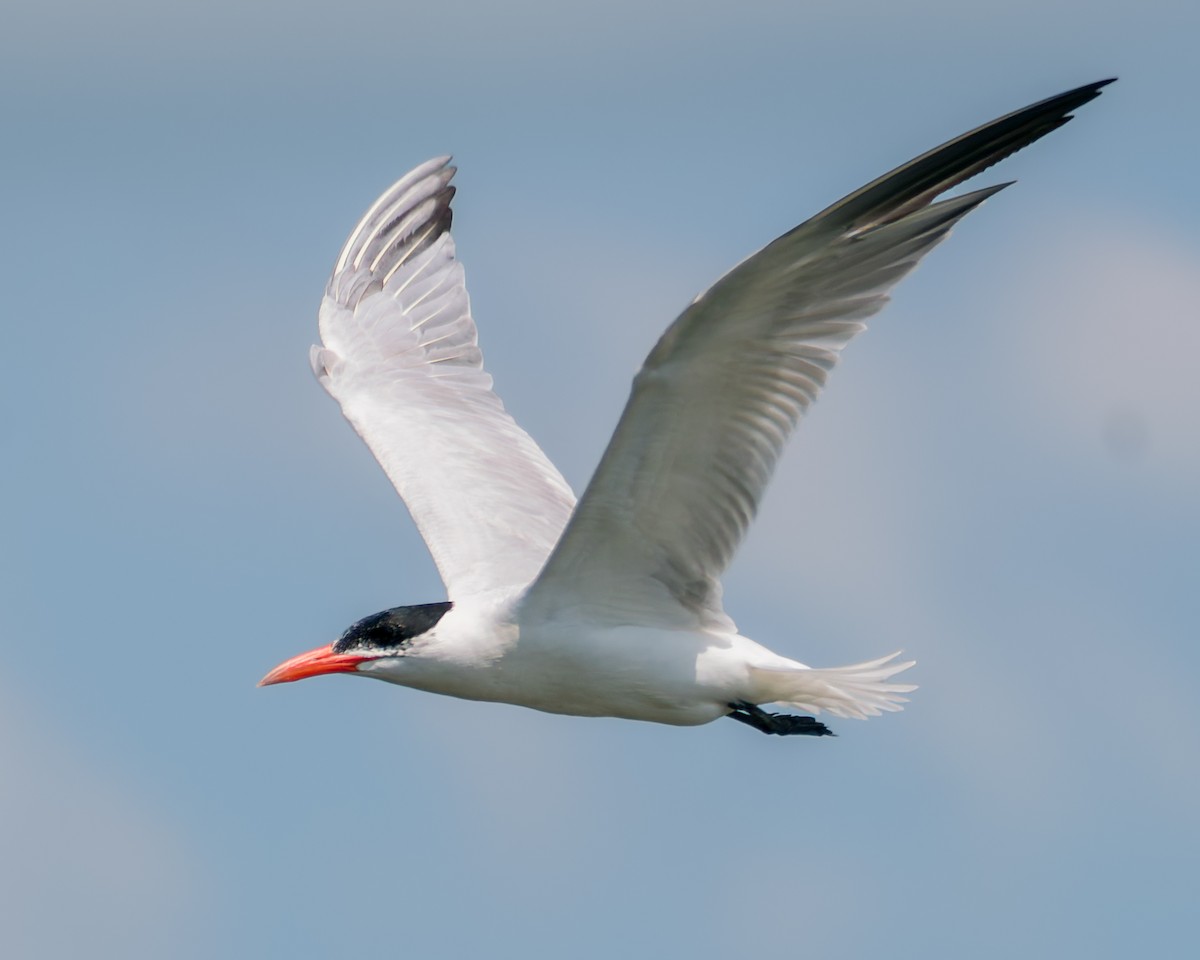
665	676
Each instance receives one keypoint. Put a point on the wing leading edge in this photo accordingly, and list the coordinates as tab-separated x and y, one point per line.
721	392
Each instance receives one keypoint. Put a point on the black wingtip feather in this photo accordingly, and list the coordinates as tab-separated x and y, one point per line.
916	183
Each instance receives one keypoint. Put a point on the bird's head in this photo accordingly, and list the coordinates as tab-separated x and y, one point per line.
386	634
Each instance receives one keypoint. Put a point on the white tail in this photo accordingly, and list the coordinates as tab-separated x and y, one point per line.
860	690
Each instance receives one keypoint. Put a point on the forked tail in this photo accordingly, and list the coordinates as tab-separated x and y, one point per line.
860	690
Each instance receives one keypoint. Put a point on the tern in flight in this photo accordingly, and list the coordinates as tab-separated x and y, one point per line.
610	606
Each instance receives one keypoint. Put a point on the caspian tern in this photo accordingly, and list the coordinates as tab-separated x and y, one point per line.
612	606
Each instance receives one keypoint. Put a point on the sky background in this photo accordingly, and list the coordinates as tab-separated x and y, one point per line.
1002	479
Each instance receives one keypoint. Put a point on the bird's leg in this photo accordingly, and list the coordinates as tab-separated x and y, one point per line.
781	724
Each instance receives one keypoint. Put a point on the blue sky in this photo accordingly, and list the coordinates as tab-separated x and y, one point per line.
1001	479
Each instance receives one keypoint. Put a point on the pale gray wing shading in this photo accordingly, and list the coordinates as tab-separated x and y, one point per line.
400	355
719	395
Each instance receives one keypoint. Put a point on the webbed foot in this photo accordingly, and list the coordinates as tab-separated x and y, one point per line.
781	724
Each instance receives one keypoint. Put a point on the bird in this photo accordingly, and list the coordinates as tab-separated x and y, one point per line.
611	605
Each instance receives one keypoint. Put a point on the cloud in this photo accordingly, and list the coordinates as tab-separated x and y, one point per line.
928	501
87	869
1108	341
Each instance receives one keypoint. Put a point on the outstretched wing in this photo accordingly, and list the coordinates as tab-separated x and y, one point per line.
719	395
400	354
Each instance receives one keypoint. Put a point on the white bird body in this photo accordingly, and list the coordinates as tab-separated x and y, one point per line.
612	606
485	652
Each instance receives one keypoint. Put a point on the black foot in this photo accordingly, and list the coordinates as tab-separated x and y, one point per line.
781	724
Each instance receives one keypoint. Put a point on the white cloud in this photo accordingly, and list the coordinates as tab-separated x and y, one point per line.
885	524
1108	342
87	869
